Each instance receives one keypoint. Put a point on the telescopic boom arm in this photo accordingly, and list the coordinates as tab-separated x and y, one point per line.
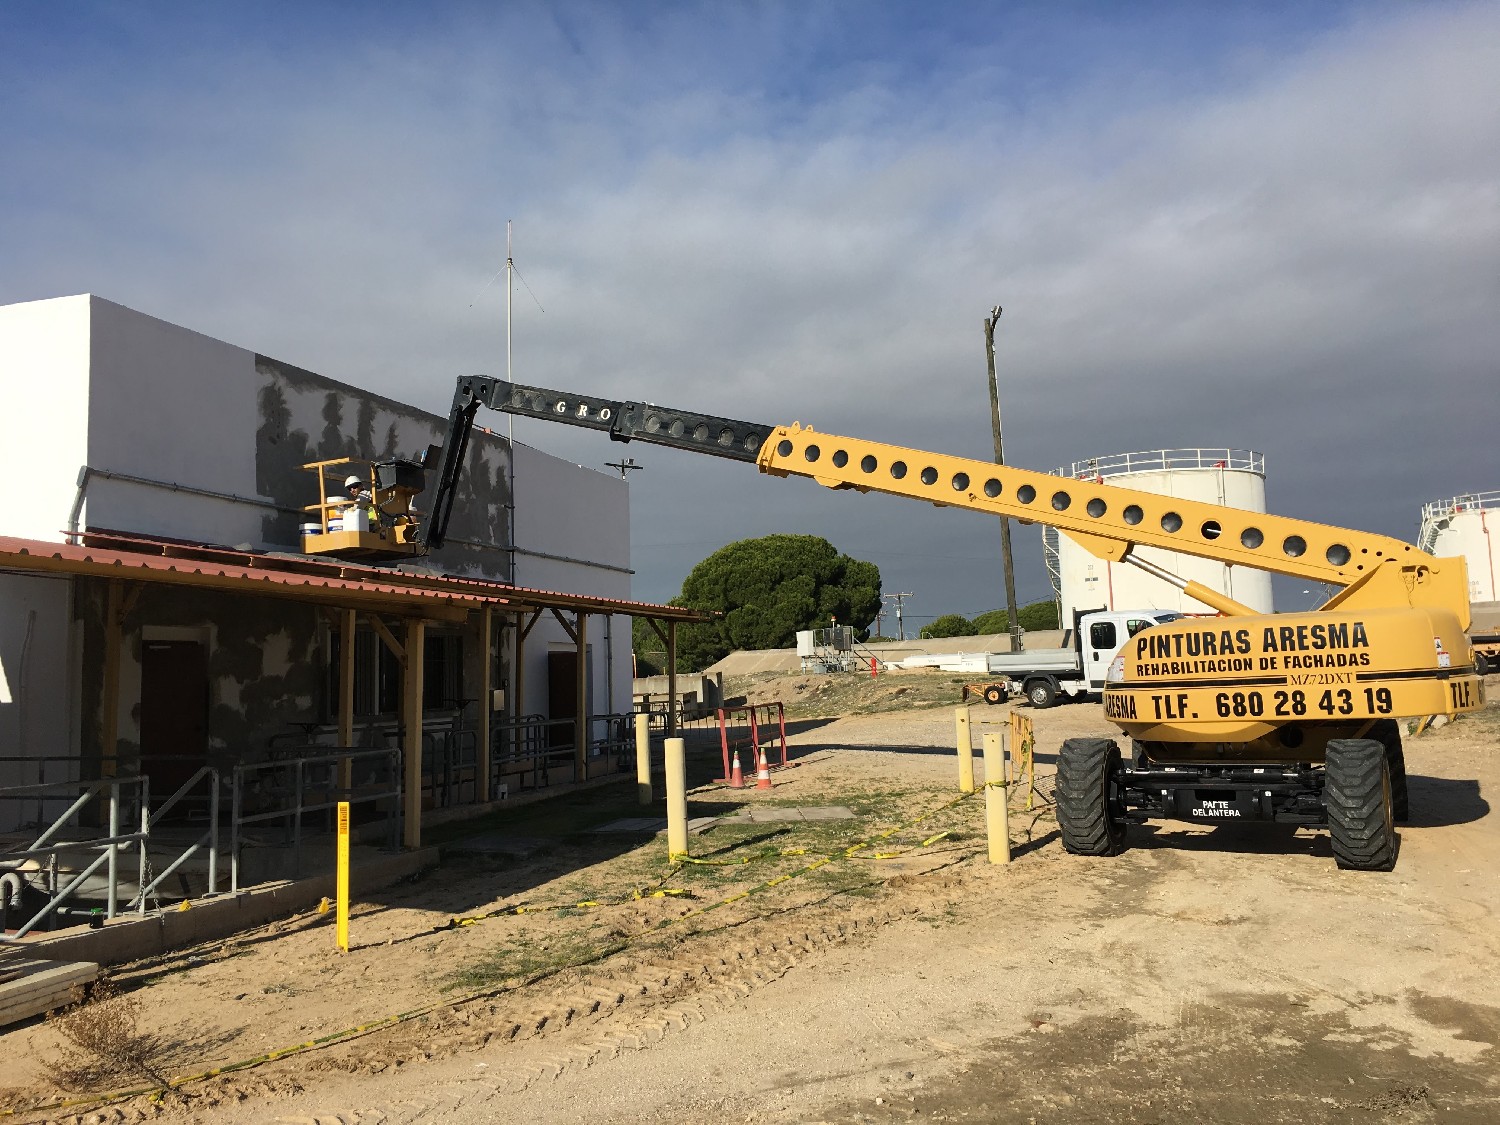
1107	520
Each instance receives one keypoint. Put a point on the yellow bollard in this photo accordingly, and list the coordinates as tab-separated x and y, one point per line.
341	881
996	800
643	759
677	834
965	750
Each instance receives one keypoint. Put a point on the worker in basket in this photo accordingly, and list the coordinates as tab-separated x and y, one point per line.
361	514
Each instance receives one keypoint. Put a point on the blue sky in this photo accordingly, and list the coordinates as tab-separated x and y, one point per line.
1272	226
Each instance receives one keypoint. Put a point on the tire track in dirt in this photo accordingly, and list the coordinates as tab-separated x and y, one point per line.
633	1004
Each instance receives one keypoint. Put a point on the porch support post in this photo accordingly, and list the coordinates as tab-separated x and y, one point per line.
581	716
346	697
671	678
109	720
411	718
486	699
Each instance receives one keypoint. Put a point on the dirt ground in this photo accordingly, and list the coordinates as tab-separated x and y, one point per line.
868	968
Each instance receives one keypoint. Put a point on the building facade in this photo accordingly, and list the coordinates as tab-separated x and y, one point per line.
125	431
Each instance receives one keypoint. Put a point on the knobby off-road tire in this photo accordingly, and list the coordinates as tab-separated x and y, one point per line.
1357	795
1387	732
1089	817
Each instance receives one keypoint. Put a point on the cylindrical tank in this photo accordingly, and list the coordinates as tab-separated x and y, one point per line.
1468	526
1235	478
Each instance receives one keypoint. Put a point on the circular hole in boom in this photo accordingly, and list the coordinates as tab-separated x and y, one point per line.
1171	522
1294	546
1251	537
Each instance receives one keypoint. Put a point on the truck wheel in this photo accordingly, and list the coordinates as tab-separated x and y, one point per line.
1088	811
1357	795
1481	663
1387	732
1041	693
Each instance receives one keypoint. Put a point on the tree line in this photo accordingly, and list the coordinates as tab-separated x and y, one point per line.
766	590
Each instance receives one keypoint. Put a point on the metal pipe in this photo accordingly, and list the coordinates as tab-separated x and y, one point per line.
113	891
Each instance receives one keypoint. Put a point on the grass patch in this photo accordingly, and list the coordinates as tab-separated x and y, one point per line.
520	960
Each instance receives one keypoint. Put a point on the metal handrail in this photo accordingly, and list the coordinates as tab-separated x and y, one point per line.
1436	512
1159	460
110	843
300	787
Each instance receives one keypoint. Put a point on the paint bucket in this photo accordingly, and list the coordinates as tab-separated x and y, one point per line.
311	529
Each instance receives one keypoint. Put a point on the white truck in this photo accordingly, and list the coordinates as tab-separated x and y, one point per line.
1046	674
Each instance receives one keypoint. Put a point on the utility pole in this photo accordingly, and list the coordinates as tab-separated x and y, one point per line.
1005	555
625	465
899	599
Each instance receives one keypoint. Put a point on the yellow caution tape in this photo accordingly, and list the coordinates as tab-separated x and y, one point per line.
156	1092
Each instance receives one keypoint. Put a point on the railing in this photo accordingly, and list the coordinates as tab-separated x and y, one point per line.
531	746
113	801
1436	514
287	792
1159	460
747	726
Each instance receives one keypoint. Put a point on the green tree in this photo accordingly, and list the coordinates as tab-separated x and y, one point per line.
1038	615
766	590
949	625
995	621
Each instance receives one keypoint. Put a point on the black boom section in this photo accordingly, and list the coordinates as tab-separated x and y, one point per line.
623	421
634	421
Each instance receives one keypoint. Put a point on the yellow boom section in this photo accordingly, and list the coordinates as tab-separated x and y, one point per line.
1108	520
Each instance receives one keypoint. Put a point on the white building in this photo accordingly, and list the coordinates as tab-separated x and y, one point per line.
156	613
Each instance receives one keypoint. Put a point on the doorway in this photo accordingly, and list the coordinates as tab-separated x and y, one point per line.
174	714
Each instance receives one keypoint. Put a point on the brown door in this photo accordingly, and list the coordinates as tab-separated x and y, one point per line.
562	696
174	713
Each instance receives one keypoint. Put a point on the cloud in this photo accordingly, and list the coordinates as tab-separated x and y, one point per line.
1204	230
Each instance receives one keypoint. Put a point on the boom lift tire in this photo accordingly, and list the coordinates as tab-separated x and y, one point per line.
1388	733
1041	693
1357	795
1088	814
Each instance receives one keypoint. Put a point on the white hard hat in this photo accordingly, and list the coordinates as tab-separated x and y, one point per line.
349	482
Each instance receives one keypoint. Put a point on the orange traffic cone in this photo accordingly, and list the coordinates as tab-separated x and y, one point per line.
763	773
736	777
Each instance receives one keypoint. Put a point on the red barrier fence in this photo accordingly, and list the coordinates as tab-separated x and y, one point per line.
742	728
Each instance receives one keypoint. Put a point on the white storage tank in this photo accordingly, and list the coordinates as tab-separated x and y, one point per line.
1468	526
1235	478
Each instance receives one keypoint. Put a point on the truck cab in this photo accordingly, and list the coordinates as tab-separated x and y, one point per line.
1077	670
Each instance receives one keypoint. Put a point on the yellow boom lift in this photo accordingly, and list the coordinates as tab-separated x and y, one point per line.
1288	717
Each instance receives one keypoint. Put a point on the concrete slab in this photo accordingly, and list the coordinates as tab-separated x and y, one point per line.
497	843
654	824
774	814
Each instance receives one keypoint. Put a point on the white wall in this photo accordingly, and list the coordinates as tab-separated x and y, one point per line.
567	510
169	404
44	375
38	714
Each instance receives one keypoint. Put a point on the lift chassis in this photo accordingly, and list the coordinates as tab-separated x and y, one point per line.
1290	718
